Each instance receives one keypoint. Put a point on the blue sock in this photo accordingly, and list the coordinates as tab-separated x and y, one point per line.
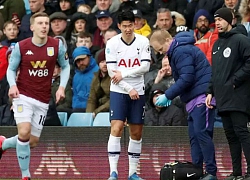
23	156
9	143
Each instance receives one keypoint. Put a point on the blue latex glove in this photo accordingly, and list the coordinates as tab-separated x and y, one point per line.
163	101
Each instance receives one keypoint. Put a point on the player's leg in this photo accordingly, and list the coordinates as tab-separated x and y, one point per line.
135	121
117	118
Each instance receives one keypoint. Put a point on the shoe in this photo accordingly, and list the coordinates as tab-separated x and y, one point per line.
232	177
247	177
209	177
2	138
134	177
113	176
26	178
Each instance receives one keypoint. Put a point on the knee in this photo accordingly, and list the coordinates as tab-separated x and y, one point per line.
116	131
24	133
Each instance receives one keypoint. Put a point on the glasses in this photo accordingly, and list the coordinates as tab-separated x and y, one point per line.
202	20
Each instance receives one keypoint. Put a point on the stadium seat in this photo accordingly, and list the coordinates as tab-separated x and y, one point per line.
102	119
80	119
63	116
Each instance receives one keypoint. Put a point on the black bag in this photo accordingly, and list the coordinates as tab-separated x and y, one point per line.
180	171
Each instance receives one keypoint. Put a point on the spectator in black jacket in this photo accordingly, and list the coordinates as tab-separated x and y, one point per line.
163	116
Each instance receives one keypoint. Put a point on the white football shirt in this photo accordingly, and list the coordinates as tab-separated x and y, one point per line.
132	60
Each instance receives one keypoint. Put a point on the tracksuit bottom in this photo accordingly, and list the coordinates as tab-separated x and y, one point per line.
200	129
238	137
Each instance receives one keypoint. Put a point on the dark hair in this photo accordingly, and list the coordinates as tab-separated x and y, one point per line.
126	16
84	35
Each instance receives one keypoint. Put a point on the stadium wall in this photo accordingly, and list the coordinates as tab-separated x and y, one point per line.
81	153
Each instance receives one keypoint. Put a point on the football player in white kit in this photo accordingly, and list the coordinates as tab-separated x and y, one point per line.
128	59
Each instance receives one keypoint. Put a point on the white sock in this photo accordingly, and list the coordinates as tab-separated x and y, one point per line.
114	150
134	152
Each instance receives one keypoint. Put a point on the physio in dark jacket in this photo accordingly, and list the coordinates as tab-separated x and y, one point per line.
192	73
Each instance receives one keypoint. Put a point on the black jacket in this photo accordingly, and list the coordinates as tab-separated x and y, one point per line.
230	82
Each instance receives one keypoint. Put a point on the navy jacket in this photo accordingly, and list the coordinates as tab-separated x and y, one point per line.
190	68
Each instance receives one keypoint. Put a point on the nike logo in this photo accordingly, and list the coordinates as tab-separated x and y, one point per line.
215	52
189	175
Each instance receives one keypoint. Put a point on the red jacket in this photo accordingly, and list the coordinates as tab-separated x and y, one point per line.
207	41
3	61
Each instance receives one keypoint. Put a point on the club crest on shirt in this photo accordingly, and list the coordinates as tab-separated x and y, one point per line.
50	51
227	52
19	108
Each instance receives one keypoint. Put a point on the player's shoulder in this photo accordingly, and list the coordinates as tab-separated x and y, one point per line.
24	41
141	38
114	39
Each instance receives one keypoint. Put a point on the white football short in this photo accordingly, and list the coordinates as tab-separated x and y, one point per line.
30	110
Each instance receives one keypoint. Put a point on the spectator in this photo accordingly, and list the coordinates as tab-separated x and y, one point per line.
166	22
84	8
244	10
58	22
67	7
78	23
35	6
104	21
85	66
163	116
100	88
191	72
204	33
86	39
11	8
141	25
173	5
66	103
10	29
108	35
229	86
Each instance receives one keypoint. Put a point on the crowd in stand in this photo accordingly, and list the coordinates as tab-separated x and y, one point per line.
85	26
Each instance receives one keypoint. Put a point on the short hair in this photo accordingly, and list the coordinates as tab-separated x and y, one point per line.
160	36
163	10
38	14
84	5
110	30
84	35
126	16
9	22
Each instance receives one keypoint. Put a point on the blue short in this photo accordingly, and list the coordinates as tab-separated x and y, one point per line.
122	107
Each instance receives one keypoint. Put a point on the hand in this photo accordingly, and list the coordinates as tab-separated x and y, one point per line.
117	77
134	94
17	21
60	94
161	73
93	115
13	92
162	101
208	101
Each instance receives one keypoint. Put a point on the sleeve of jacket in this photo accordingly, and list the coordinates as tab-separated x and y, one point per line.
103	108
149	119
67	102
185	68
243	74
92	100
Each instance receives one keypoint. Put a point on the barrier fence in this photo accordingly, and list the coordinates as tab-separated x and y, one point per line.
81	153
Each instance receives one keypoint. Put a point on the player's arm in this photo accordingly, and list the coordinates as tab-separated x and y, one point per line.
14	61
112	66
63	61
145	63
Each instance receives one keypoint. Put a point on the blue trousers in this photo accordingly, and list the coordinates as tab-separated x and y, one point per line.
200	129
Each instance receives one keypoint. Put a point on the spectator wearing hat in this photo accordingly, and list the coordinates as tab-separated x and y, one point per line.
85	66
204	32
229	85
163	116
58	22
100	88
104	22
78	23
141	25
